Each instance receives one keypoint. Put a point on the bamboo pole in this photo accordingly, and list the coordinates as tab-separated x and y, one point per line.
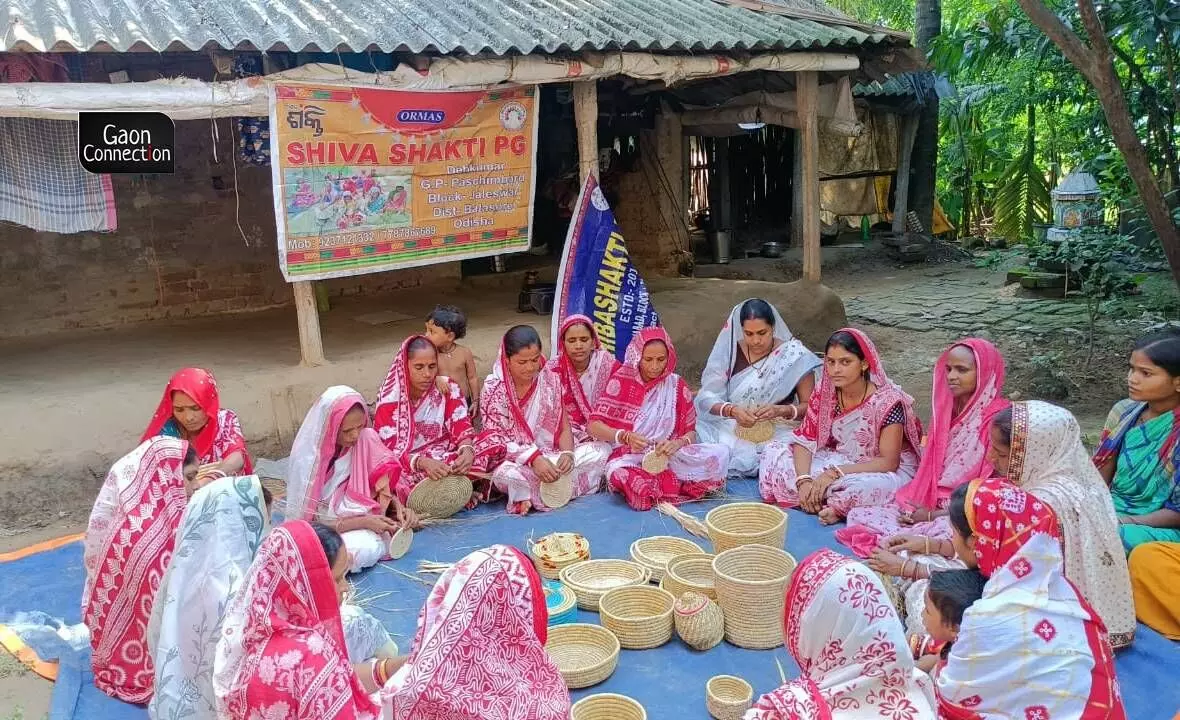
311	343
807	173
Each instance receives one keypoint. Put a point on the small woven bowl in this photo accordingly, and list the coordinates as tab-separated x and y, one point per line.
728	697
607	706
690	573
699	621
751	590
557	551
399	544
654	552
746	523
561	603
758	433
592	579
440	498
584	654
654	462
640	615
557	493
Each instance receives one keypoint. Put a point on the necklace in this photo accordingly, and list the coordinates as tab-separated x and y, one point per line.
759	365
840	399
448	351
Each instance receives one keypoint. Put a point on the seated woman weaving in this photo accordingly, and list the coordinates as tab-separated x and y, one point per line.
190	409
584	368
647	411
757	372
342	474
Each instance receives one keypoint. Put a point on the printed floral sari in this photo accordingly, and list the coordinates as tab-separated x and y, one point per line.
579	393
221	436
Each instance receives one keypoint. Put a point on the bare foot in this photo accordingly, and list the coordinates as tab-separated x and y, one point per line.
828	516
474	501
522	507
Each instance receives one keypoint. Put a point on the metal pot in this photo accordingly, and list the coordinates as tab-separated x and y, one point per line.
772	250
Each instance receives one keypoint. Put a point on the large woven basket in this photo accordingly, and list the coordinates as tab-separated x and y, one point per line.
728	697
639	615
607	706
751	588
699	621
746	523
556	551
690	573
654	552
592	579
440	498
584	654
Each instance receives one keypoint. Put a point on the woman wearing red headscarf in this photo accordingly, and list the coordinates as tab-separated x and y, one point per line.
480	649
647	408
190	409
1031	647
584	368
858	443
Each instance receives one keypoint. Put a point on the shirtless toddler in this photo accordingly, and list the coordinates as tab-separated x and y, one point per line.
445	325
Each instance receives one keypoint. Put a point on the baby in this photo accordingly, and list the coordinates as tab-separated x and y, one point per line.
445	325
949	595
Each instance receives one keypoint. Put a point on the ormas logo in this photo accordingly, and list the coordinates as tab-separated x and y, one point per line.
126	142
422	117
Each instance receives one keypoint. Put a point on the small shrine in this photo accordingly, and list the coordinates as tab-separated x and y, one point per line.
1077	203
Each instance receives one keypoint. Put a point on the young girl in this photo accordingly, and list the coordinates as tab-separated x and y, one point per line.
949	595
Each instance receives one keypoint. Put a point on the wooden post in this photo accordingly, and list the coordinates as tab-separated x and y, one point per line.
586	118
723	216
311	344
901	189
806	205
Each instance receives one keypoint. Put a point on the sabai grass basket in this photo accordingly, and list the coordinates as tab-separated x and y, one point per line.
584	654
654	552
557	551
607	706
746	523
561	603
699	621
440	498
728	697
690	573
751	588
592	579
640	616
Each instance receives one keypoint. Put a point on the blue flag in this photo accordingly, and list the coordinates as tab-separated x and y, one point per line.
597	278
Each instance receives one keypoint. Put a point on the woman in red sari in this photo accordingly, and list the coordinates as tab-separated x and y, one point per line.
129	543
282	652
190	409
584	368
479	653
422	417
646	408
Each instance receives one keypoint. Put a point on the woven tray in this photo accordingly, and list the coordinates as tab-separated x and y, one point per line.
556	551
585	654
751	590
745	523
690	573
399	544
592	579
654	462
640	616
557	493
758	433
654	552
699	621
440	498
607	706
561	603
728	697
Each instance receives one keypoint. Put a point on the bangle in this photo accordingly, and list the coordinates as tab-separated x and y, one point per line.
794	412
802	478
838	471
725	408
619	436
927	545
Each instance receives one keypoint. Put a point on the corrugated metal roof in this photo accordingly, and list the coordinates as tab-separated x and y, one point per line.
896	86
444	26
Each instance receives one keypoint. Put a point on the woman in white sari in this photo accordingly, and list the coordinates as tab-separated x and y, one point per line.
756	371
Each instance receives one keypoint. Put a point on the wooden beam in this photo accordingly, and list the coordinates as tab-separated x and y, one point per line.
311	344
806	191
586	118
901	190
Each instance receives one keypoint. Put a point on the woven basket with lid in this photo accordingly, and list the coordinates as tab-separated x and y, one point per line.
699	621
746	523
751	590
556	551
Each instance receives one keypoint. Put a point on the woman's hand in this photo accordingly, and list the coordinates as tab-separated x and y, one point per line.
463	461
915	516
635	441
811	496
669	447
546	471
910	543
927	663
746	417
406	517
565	462
380	524
434	469
885	562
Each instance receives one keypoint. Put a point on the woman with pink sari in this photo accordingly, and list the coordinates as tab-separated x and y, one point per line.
422	418
282	652
967	394
128	546
858	443
846	638
341	474
190	409
584	368
479	653
523	413
648	408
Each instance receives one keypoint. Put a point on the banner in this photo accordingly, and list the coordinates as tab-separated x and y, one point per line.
368	179
597	279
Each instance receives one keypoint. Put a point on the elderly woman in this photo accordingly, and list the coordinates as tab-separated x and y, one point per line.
190	409
757	372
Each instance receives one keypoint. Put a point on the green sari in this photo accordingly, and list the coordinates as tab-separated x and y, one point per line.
1147	473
